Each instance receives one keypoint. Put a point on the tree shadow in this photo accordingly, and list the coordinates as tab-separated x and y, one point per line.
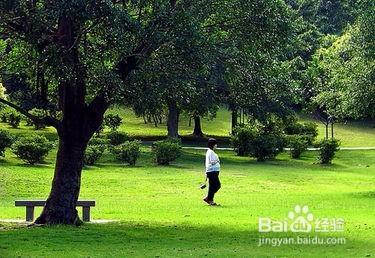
152	239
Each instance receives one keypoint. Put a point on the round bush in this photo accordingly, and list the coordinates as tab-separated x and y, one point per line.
166	151
4	115
258	141
116	138
32	149
128	152
242	138
113	121
102	142
297	144
6	141
327	150
92	154
309	130
40	113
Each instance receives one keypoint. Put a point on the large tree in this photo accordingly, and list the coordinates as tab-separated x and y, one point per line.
80	56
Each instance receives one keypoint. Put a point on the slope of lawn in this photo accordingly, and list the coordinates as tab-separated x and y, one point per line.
161	214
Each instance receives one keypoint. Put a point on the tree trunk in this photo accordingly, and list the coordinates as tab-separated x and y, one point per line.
60	207
197	127
172	123
234	119
78	125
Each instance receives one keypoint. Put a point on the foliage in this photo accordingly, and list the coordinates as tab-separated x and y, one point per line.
6	141
241	139
343	72
327	150
128	152
116	138
297	144
14	119
4	114
39	113
99	141
32	149
166	151
113	121
308	130
94	150
92	154
261	141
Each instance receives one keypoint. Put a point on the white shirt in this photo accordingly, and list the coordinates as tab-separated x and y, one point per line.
212	161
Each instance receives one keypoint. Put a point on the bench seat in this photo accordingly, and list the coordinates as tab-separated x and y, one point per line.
30	204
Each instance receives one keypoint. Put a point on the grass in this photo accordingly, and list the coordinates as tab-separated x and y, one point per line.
351	134
161	213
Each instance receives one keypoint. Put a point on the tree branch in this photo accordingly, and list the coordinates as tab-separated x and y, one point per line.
47	120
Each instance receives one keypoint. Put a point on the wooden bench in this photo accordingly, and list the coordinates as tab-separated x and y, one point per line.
30	204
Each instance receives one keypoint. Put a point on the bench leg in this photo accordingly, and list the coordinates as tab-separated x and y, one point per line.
30	213
86	213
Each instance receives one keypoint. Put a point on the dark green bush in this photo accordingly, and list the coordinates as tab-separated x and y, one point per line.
327	150
32	149
4	116
116	138
14	119
40	113
102	142
259	141
128	152
94	150
92	154
297	145
113	121
6	141
309	130
166	151
242	138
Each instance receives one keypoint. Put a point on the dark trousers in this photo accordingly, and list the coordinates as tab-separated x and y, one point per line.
213	184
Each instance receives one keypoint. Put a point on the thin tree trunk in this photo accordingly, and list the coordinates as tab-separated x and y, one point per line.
234	119
172	123
197	127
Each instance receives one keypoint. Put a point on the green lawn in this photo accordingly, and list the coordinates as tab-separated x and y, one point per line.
161	213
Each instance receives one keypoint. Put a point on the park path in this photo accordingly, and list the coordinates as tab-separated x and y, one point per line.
309	149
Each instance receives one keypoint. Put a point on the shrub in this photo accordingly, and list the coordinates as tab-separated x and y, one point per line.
297	145
102	142
4	115
14	119
258	141
32	149
327	150
6	141
113	121
166	151
40	113
116	138
128	152
92	154
242	138
309	130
